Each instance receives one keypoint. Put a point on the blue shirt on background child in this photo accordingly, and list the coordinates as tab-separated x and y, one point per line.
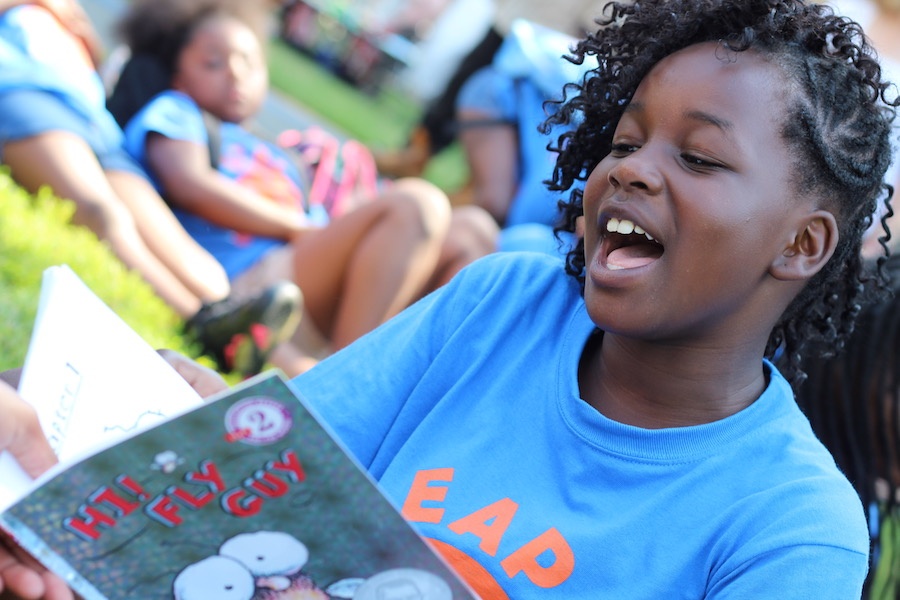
244	158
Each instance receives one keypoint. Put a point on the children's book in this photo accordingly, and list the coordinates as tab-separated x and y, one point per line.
243	496
91	378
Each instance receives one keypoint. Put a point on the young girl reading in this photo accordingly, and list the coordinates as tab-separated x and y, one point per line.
617	430
354	271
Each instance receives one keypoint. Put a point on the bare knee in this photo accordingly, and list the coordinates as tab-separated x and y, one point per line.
420	204
473	233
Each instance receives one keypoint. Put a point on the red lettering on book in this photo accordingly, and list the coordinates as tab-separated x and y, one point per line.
190	500
121	506
238	434
130	485
290	464
87	527
208	474
162	510
268	485
240	503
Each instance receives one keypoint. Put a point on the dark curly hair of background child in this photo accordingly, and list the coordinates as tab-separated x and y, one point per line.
852	400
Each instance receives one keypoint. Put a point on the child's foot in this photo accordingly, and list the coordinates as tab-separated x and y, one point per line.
241	334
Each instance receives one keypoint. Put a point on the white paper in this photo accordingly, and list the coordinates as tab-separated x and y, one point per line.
92	380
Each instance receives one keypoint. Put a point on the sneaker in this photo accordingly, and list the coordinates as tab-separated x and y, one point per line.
240	335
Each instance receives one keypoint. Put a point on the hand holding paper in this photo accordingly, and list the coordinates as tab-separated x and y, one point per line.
20	433
90	377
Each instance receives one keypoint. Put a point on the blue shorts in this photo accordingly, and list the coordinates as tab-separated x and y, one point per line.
27	113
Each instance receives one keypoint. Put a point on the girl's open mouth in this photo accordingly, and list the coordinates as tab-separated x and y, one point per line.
627	246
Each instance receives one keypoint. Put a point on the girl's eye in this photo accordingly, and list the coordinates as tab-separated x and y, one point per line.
697	162
622	149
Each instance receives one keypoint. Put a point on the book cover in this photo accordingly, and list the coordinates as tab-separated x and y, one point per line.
245	497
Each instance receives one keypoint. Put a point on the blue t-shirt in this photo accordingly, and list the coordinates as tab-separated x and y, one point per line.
38	53
466	409
243	157
519	102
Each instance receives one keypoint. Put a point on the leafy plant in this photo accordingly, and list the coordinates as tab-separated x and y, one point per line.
35	234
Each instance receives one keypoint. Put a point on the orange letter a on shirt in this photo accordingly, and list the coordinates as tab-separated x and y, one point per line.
525	560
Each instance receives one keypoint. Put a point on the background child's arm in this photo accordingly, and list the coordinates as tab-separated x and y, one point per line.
72	16
183	168
7	4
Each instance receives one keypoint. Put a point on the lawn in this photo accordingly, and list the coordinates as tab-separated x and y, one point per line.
380	120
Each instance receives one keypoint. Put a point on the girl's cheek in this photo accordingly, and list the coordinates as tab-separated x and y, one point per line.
594	187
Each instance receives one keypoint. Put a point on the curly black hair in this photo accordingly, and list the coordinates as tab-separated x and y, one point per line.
155	32
852	401
161	28
839	122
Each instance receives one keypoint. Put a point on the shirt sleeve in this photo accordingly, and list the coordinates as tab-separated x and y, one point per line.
171	114
822	572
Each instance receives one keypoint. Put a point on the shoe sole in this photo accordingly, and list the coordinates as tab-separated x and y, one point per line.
279	321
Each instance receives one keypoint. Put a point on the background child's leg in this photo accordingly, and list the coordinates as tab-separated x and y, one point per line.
473	234
67	164
198	270
371	263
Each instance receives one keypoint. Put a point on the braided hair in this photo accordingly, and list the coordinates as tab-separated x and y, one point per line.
838	124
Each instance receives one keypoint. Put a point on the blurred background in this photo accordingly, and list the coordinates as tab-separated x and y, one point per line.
361	69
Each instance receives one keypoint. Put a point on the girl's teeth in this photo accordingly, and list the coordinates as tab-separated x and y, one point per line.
625	227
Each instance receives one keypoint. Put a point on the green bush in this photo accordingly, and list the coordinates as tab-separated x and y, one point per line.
34	235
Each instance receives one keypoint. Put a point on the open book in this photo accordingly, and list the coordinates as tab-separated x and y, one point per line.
244	496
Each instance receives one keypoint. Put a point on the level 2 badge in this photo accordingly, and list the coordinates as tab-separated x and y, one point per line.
257	420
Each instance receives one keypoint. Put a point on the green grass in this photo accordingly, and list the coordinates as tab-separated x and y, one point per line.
382	120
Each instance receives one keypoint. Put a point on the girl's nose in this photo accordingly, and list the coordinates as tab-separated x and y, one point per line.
638	171
238	68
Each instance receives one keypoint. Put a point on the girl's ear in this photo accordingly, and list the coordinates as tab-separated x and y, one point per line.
813	244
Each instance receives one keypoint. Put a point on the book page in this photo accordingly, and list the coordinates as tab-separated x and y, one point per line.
91	378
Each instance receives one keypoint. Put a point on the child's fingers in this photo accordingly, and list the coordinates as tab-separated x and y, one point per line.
55	588
18	579
21	434
23	578
205	381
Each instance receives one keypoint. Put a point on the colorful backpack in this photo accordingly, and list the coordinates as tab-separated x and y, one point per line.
342	174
